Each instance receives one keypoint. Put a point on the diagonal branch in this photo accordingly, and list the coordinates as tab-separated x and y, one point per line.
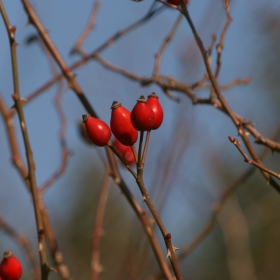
74	85
225	106
250	161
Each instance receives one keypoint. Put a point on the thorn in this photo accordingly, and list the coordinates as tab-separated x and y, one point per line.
168	255
175	248
52	269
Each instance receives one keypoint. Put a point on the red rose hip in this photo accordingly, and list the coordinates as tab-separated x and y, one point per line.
142	115
157	109
121	125
10	267
97	130
125	152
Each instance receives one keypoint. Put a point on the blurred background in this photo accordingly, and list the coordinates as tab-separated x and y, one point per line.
190	162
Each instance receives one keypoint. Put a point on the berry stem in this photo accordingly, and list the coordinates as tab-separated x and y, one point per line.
134	153
146	148
109	144
140	149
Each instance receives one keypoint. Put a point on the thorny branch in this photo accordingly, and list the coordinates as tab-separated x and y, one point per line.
226	108
167	84
216	209
74	85
45	269
250	161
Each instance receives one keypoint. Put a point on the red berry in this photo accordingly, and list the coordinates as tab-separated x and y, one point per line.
97	130
83	134
156	107
125	152
121	125
142	115
10	267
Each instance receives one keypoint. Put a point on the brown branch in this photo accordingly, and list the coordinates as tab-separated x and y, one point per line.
168	83
216	209
85	58
142	216
165	82
225	106
90	25
260	139
96	267
129	168
73	84
167	87
250	161
165	234
45	269
20	166
165	44
220	45
65	153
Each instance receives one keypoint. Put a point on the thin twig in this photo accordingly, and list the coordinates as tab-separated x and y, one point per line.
122	159
90	25
165	234
142	216
174	85
20	166
167	87
73	84
165	44
225	106
145	147
45	269
65	153
251	161
85	58
135	154
96	267
140	150
220	45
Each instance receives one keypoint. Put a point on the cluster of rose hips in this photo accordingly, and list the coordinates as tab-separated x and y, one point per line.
10	267
146	115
